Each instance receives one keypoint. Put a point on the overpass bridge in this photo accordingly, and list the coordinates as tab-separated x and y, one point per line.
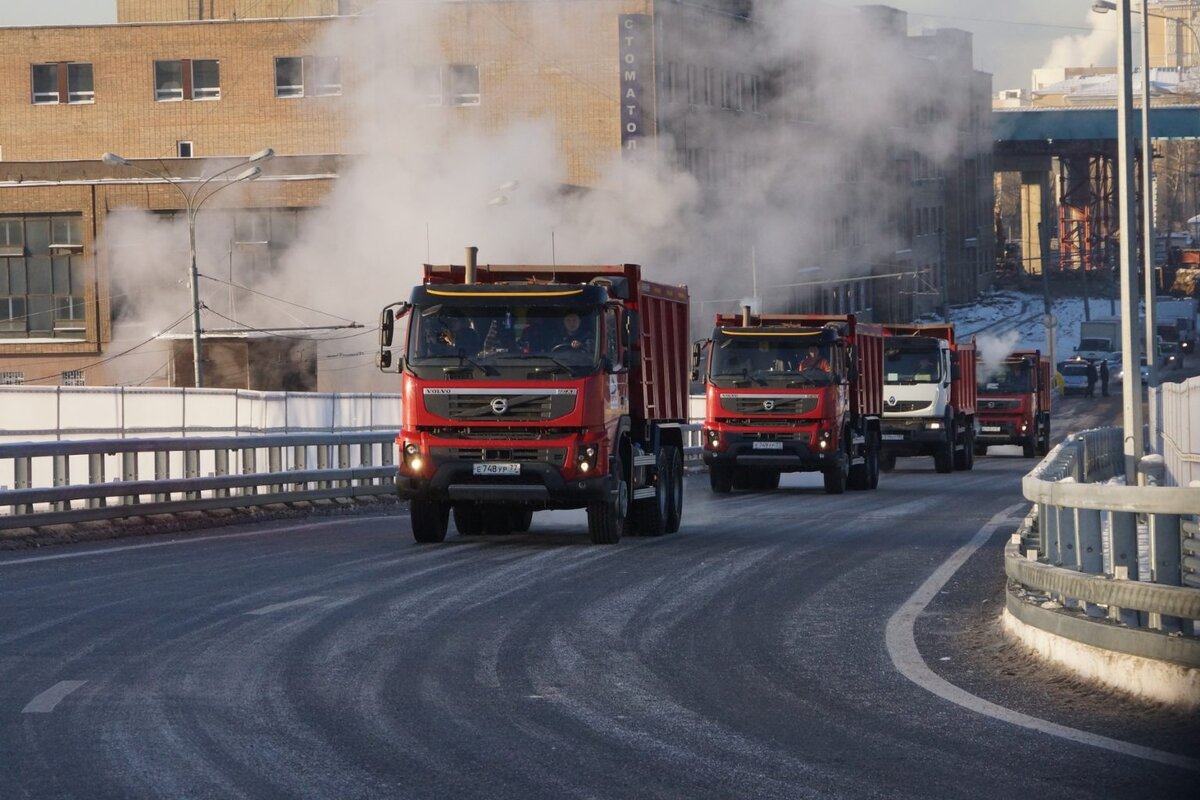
1075	149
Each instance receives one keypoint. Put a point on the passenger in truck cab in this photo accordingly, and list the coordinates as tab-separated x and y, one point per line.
813	360
456	335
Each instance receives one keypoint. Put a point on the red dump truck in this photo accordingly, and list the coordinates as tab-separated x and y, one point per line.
791	393
1014	404
540	387
929	396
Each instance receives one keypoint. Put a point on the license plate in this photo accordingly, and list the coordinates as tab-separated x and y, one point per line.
893	437
990	429
768	445
496	469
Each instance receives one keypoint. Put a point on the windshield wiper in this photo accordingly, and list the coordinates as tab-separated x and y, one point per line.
463	361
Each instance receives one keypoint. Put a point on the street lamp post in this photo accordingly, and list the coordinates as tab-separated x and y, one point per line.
193	202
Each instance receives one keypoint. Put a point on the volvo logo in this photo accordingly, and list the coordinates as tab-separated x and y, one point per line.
891	401
768	405
499	405
991	404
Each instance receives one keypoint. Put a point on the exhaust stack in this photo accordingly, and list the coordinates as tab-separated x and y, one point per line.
472	254
745	316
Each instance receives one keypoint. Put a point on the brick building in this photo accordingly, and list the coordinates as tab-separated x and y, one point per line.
187	87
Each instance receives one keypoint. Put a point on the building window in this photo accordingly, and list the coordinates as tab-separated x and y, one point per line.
64	82
289	77
183	149
41	276
296	76
12	378
464	85
72	377
453	85
187	79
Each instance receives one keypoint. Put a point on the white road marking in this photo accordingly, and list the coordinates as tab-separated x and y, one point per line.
106	551
303	601
902	647
45	702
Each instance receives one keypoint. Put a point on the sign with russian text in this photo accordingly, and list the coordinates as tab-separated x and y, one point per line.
637	65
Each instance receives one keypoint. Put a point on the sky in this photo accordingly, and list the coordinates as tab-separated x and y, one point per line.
1012	37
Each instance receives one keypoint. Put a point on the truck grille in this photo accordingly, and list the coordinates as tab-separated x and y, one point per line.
501	406
546	455
749	404
908	405
775	436
986	404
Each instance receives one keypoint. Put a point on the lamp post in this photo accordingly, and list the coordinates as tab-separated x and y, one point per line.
193	202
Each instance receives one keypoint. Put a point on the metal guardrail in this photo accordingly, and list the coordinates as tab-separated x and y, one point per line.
1110	565
171	475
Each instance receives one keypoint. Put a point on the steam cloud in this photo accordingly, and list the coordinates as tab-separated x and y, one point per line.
814	169
993	350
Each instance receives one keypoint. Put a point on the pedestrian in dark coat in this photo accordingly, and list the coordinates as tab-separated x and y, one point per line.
1104	378
1091	376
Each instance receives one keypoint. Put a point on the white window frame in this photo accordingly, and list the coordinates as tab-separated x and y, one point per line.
207	92
44	98
80	97
462	99
162	92
326	76
182	145
72	377
288	91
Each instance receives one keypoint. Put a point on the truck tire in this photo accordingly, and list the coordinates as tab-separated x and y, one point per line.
835	477
522	518
964	459
429	519
770	480
606	518
873	457
887	462
943	459
498	520
468	519
673	460
745	480
1028	448
648	516
720	479
980	449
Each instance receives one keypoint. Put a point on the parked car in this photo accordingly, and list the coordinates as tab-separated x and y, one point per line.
1074	375
1145	370
1170	355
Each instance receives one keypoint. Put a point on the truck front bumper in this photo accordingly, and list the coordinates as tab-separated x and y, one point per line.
1002	431
750	451
538	486
912	438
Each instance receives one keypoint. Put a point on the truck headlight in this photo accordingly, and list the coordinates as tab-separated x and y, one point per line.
824	439
412	457
933	426
585	459
712	438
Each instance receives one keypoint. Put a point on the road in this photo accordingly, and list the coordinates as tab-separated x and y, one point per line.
752	655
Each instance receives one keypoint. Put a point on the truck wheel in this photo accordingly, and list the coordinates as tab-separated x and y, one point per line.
770	481
606	518
648	516
522	519
673	460
964	459
980	449
873	457
943	459
1028	449
835	480
887	462
720	479
429	519
857	480
745	480
468	519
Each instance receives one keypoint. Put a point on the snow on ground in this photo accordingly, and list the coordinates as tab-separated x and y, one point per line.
1008	320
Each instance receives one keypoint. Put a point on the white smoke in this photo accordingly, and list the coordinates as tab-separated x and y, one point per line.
1097	47
992	350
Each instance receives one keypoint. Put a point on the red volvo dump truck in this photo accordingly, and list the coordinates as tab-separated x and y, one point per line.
540	387
791	393
1014	404
929	396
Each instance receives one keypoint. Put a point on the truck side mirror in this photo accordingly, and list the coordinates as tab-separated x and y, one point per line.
384	359
697	353
955	371
630	331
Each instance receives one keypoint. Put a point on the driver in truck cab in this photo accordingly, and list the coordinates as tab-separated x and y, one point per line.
813	360
572	335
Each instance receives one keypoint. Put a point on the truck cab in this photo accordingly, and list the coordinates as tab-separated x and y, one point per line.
1014	404
790	394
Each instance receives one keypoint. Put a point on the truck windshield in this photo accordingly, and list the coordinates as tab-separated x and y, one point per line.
903	365
1009	378
538	341
760	359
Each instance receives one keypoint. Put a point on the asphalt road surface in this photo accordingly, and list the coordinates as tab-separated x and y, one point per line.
782	645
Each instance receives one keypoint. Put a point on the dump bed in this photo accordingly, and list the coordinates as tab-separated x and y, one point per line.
934	330
659	377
